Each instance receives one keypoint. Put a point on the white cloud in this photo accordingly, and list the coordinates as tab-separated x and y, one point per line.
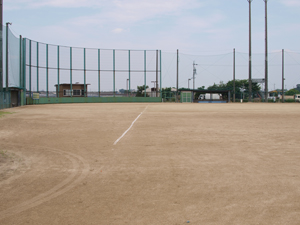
291	2
117	30
12	4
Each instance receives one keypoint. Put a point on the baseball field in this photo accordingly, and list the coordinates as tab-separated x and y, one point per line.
153	163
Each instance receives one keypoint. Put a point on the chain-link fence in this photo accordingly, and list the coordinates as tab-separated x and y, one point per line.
217	72
59	71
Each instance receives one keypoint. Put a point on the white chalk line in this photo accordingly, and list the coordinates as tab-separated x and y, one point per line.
116	142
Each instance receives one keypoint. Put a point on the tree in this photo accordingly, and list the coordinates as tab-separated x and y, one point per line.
140	91
241	86
292	92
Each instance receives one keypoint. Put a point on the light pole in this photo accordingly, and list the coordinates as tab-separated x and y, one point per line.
266	50
189	83
250	54
194	73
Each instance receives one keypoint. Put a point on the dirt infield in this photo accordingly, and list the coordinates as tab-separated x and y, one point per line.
178	163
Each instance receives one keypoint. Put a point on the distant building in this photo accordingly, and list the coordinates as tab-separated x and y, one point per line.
277	92
65	90
298	87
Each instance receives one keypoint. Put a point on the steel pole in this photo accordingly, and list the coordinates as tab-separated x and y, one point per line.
6	57
1	45
58	73
47	70
145	73
114	72
129	75
156	89
194	75
20	63
282	75
250	54
160	72
177	75
266	51
71	75
99	72
234	75
37	67
84	64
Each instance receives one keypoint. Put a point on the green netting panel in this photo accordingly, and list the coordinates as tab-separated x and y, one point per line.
5	100
13	59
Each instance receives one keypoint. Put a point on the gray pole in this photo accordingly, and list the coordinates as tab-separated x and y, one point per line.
7	56
156	73
194	73
250	54
266	50
234	75
177	75
283	75
1	46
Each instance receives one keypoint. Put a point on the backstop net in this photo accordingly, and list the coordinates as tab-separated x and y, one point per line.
102	72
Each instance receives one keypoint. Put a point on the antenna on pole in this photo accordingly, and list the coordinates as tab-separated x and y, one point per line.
194	73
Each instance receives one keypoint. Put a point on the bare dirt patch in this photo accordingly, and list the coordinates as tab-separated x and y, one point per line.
206	164
10	164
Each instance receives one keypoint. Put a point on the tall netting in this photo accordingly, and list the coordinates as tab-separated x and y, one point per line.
102	72
218	71
14	73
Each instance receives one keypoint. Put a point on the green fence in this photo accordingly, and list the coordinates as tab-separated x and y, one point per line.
5	100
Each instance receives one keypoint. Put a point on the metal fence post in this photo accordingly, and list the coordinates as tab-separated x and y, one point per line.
30	84
58	73
37	67
71	80
114	72
283	75
145	73
24	69
6	56
84	65
20	63
99	72
156	89
177	75
47	70
160	74
234	75
129	81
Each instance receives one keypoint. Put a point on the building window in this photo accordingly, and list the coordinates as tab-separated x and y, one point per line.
76	92
82	92
67	92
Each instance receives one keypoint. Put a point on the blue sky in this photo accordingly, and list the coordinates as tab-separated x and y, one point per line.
188	25
192	26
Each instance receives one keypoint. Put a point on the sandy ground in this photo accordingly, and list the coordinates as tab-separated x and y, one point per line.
179	163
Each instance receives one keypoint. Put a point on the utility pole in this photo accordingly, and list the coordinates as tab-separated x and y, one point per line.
250	54
177	75
189	83
266	51
194	73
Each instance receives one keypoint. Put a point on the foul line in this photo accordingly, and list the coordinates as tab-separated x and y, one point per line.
116	142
